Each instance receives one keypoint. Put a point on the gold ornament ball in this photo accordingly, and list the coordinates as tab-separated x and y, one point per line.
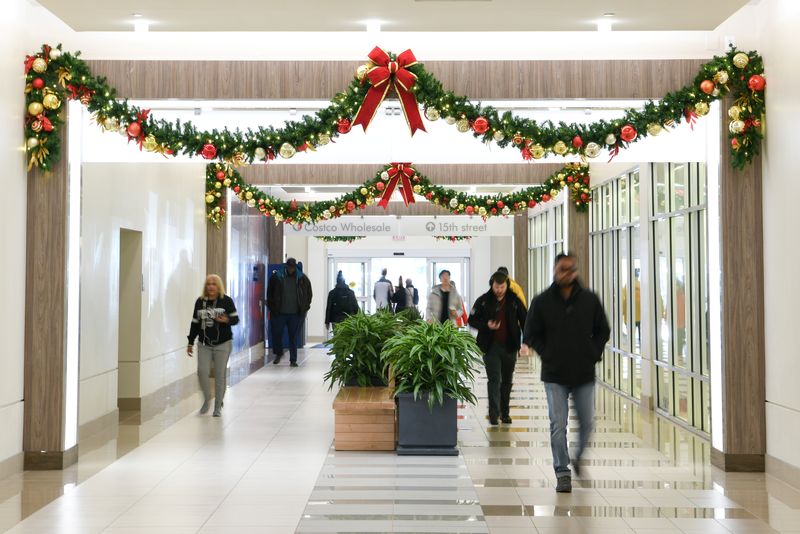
450	120
554	192
506	210
55	53
741	60
370	201
654	128
611	139
669	123
462	125
537	151
35	108
32	142
592	150
326	214
323	139
287	150
734	112
51	101
385	175
39	65
498	135
364	191
701	108
209	199
736	127
111	124
150	143
560	148
251	203
218	185
218	194
432	114
482	211
248	195
260	153
36	126
715	92
417	189
453	202
721	77
227	182
361	71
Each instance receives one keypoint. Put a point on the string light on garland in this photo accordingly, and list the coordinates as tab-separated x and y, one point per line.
340	238
65	76
573	176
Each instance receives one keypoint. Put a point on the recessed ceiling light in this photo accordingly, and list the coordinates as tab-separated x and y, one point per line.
373	26
608	14
141	26
604	25
137	15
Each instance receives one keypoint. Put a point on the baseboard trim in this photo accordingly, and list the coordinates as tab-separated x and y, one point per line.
50	460
95	426
12	465
783	471
737	463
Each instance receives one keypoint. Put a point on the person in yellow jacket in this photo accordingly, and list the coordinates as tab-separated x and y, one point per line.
514	287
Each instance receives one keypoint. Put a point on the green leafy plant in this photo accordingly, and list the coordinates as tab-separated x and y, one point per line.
356	347
408	317
433	358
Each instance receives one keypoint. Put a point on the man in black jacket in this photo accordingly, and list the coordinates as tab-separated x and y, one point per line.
568	328
499	317
288	300
341	302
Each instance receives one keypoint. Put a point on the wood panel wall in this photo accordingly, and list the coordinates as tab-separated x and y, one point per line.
743	352
323	79
275	243
578	240
46	313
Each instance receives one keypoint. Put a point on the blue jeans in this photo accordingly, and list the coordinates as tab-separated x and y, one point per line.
292	321
558	408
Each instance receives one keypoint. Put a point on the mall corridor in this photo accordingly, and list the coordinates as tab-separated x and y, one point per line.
267	466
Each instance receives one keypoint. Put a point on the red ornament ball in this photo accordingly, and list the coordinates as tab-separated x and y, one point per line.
531	203
293	205
343	126
469	210
494	211
429	195
501	204
735	144
363	206
351	205
545	197
584	197
220	175
570	179
480	125
380	186
628	133
707	86
134	129
236	189
577	142
209	151
756	82
37	83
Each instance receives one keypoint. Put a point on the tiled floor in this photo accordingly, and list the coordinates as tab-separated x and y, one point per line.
267	466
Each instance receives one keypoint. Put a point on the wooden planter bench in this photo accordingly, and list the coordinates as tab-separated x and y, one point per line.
365	419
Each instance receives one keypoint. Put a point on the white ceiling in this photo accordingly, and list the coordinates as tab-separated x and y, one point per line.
396	15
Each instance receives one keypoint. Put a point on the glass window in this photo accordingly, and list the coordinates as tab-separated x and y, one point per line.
661	183
664	388
679	186
683	396
624	320
637	292
662	290
624	215
634	187
681	299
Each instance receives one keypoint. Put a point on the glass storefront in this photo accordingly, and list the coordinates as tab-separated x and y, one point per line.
545	241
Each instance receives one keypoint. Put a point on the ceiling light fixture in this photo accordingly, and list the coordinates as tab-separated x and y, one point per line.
141	26
604	25
608	14
136	15
373	26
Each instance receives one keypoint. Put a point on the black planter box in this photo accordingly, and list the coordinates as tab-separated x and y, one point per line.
422	432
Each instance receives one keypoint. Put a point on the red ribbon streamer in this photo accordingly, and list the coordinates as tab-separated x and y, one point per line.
385	74
399	174
613	152
691	117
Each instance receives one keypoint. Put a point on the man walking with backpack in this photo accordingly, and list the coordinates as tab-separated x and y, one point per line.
341	302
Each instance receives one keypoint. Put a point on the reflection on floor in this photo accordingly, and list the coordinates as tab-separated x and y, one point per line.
267	466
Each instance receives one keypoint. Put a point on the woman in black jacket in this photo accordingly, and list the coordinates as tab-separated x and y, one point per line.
213	316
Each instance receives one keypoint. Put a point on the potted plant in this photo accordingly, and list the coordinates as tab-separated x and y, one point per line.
433	366
356	346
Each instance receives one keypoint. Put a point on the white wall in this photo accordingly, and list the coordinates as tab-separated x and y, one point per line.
771	27
165	203
15	42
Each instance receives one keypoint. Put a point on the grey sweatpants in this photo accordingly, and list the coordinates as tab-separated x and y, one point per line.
218	354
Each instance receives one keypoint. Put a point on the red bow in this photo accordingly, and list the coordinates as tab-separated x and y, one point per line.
29	63
691	117
383	75
398	172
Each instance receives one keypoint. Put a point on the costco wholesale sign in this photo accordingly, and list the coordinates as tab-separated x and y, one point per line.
408	226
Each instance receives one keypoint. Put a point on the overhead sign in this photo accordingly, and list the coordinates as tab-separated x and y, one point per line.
407	226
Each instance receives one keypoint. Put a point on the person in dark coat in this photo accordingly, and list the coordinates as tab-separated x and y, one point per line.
341	302
499	317
568	328
402	297
288	299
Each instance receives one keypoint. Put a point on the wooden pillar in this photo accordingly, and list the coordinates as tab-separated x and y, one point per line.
217	250
577	239
45	425
275	243
521	253
742	380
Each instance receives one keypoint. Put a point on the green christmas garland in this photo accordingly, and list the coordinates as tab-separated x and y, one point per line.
340	238
220	176
53	76
453	238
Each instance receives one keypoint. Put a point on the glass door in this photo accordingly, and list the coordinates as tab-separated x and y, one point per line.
459	275
356	273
